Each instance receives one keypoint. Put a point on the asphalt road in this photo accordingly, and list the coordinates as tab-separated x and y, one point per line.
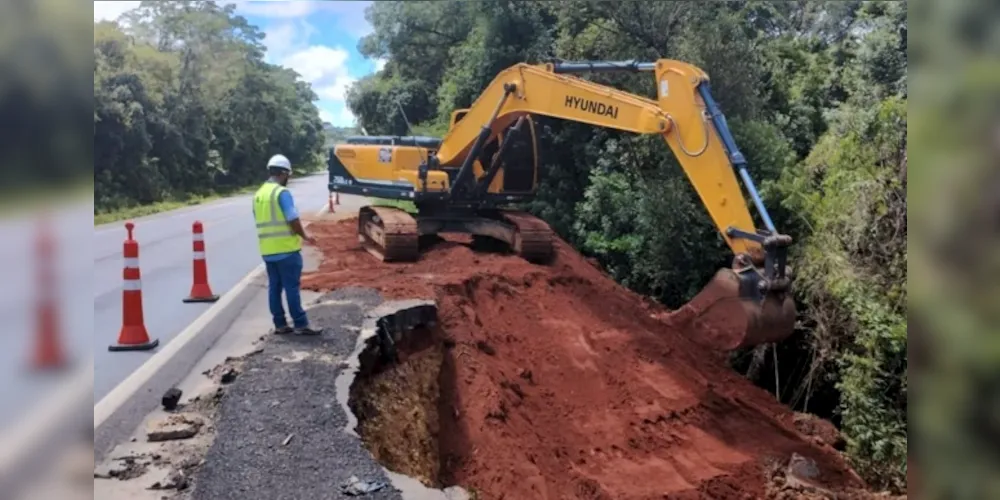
165	262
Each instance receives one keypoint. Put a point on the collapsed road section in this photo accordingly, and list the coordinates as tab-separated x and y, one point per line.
275	423
284	429
555	382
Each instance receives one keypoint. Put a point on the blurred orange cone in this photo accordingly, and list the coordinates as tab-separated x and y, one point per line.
200	291
49	353
133	335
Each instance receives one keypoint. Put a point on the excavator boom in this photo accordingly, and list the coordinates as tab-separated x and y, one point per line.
454	174
685	114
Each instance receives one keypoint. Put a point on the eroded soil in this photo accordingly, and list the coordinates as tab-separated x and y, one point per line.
555	382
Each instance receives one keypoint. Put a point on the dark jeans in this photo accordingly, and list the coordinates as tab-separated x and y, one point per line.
285	275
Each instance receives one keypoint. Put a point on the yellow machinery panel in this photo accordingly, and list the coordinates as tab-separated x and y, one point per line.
382	164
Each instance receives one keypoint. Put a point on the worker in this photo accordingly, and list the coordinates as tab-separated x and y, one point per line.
280	235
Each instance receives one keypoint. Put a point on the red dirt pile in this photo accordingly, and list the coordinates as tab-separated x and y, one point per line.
567	385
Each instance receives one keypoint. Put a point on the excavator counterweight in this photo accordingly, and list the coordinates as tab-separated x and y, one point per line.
488	161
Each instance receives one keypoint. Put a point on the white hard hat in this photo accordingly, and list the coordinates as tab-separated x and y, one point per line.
279	161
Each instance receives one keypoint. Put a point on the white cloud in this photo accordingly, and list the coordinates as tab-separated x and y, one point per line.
325	68
350	15
109	11
318	63
379	64
271	8
346	117
340	116
338	90
286	37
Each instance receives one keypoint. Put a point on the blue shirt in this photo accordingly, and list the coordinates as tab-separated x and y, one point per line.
287	205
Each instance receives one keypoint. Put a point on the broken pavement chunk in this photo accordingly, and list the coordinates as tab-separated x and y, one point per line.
122	468
171	398
180	426
172	480
356	487
115	468
229	375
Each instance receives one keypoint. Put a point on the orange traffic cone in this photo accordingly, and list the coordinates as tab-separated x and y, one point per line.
133	335
49	353
200	291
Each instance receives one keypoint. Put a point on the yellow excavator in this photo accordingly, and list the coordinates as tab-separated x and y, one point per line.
488	160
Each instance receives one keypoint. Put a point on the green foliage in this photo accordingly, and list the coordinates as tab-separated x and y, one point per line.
851	192
185	106
815	94
337	135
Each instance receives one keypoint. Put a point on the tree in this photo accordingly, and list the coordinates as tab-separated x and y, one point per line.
184	104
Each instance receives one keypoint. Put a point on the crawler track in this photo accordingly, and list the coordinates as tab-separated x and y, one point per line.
393	235
533	239
390	234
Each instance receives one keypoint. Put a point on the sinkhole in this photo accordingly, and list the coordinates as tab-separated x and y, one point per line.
402	396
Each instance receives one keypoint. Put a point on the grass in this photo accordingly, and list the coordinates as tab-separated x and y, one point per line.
143	210
162	206
107	216
32	200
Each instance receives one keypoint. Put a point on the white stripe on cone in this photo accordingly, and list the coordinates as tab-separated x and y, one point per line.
132	262
199	256
199	237
132	285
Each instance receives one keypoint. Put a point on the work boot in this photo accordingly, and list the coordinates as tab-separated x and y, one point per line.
284	330
305	330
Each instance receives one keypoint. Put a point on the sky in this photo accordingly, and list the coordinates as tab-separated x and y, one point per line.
318	39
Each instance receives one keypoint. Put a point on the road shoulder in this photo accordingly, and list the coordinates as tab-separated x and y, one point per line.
118	413
281	429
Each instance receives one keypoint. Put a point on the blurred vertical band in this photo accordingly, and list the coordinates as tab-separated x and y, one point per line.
954	292
46	162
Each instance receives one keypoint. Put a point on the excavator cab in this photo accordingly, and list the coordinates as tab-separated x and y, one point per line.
517	170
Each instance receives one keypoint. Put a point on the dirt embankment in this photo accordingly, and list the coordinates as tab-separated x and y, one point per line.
555	382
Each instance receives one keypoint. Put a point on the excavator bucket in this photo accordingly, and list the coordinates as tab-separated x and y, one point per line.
731	312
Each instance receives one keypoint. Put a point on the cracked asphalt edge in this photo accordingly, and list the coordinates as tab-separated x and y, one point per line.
290	389
281	427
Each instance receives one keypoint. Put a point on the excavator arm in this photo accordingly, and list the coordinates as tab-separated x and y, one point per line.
684	114
453	183
689	120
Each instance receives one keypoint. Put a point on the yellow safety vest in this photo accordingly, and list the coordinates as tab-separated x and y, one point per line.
273	232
